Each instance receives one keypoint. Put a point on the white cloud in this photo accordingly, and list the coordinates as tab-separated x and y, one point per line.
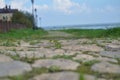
69	7
64	5
42	7
85	8
107	9
2	3
19	4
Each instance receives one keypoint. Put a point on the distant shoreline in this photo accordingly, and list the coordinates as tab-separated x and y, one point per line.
83	26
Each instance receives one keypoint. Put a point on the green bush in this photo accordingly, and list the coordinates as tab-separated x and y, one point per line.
54	69
113	32
23	18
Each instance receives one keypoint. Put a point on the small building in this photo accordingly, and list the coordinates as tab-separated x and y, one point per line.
6	14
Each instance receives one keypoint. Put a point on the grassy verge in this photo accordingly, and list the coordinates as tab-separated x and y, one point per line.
29	34
94	33
22	34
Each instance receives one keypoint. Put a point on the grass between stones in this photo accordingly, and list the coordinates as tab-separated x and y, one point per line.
7	43
90	63
118	59
56	43
81	77
24	59
85	68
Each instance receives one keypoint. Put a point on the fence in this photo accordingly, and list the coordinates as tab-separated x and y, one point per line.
7	26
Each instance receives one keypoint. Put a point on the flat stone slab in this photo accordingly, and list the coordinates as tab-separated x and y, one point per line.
43	43
92	48
58	76
84	57
66	75
59	51
112	47
60	63
68	42
24	44
115	54
105	59
4	58
105	67
13	68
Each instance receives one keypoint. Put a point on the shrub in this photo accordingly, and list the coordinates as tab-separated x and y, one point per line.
23	18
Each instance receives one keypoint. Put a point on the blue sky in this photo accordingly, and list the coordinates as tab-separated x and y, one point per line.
71	12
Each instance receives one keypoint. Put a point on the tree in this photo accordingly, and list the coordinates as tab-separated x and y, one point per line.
23	18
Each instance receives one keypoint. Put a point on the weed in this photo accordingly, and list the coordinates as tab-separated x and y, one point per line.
54	69
56	43
19	43
16	57
84	69
31	49
24	59
28	60
81	77
86	52
21	50
90	63
8	43
118	59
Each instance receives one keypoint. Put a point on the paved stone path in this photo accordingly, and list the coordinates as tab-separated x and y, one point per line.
72	58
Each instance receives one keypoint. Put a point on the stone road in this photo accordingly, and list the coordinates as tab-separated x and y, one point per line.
63	59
